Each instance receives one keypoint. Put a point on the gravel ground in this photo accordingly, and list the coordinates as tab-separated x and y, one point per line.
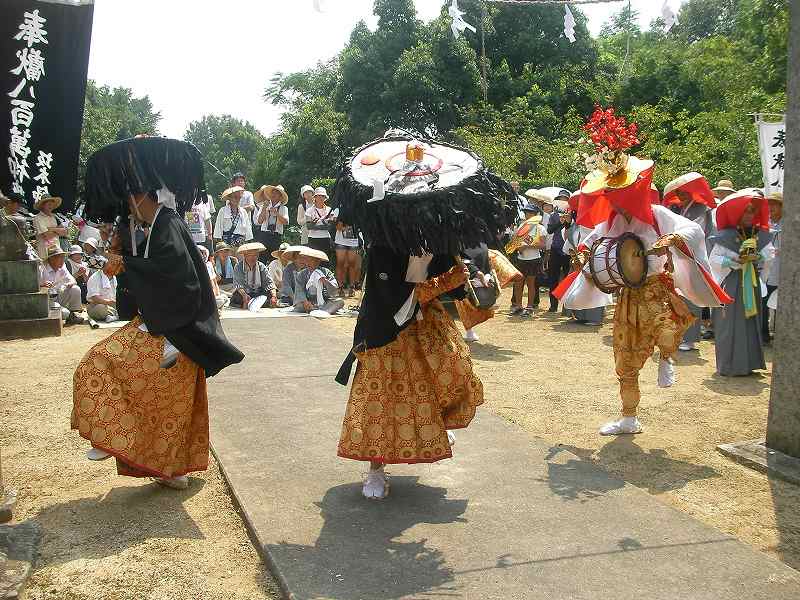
113	538
108	537
556	380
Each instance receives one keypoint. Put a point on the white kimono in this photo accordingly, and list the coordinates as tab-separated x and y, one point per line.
692	274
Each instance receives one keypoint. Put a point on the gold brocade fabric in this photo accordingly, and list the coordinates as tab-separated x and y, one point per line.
507	273
470	316
406	394
154	421
652	315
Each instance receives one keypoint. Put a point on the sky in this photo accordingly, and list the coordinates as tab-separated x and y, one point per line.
199	57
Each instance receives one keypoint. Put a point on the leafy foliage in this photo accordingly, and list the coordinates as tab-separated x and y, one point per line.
229	145
691	91
111	115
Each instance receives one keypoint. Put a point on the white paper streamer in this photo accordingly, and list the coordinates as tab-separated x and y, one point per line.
569	24
459	24
670	18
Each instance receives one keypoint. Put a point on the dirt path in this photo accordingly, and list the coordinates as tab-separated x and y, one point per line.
556	380
108	537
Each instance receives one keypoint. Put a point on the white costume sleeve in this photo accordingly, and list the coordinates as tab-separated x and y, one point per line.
583	293
693	272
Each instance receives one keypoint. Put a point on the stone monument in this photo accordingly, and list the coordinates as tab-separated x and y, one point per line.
24	310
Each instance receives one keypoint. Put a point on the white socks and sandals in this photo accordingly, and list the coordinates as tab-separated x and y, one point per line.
176	483
376	483
632	425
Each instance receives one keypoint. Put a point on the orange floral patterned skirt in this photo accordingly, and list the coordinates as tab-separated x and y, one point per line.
154	421
407	394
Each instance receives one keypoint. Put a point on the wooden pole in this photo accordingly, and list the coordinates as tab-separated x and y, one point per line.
783	425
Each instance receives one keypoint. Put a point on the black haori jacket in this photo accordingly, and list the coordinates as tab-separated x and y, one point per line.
171	291
385	292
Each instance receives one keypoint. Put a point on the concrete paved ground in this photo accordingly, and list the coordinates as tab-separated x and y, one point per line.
508	517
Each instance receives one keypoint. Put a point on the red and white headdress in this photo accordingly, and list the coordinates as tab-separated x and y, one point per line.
693	184
616	179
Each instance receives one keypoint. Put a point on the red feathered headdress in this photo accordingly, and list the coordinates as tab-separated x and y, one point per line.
729	213
618	180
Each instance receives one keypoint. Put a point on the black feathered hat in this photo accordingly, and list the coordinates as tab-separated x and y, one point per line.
140	165
441	202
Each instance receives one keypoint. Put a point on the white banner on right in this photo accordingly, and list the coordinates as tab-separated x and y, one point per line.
772	147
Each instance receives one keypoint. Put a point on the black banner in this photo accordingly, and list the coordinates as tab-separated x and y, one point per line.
44	58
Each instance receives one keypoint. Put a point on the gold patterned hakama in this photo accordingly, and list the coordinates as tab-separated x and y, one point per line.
407	394
154	421
645	318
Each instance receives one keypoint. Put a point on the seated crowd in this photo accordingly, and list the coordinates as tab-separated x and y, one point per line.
250	266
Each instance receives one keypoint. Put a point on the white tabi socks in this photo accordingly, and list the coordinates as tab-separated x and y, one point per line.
624	425
376	486
666	373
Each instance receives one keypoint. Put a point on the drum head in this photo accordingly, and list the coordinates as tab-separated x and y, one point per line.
632	260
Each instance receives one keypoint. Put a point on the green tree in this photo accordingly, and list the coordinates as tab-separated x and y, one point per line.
229	144
111	115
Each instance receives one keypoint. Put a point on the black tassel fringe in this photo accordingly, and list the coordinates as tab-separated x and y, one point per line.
141	165
438	221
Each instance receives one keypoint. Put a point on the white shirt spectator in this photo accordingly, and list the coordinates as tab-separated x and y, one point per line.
61	278
271	220
275	270
225	222
528	253
319	215
100	285
198	219
247	201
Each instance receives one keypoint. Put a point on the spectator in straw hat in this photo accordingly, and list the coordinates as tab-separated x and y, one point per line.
293	265
61	286
316	291
233	224
270	216
224	265
723	190
275	267
253	282
48	230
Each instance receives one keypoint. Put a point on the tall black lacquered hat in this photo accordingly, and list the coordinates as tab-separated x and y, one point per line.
439	198
139	165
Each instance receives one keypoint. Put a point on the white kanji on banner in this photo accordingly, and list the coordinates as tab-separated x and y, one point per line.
772	147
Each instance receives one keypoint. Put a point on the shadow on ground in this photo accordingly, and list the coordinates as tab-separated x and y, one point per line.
490	352
751	385
358	553
101	526
652	470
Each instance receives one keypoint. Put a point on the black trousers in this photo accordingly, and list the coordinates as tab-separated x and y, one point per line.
557	269
765	314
